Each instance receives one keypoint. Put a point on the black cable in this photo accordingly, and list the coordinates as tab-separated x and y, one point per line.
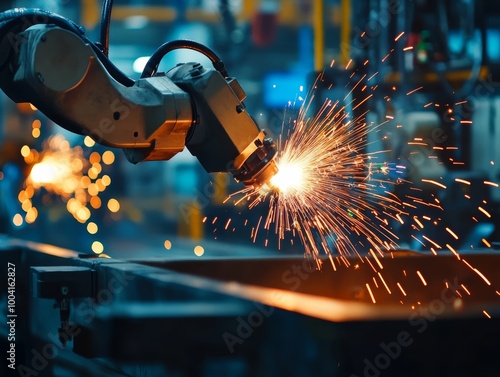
17	20
228	19
22	18
113	70
105	25
154	61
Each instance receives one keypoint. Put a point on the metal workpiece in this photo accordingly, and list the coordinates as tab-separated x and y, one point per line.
117	330
62	283
225	137
62	76
292	283
59	282
179	315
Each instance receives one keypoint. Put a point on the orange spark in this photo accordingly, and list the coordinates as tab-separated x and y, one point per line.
462	181
370	292
401	288
477	272
431	241
414	90
376	259
465	289
385	284
486	213
491	183
434	182
452	233
421	278
486	243
453	251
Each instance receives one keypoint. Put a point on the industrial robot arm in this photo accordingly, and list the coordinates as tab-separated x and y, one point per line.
47	60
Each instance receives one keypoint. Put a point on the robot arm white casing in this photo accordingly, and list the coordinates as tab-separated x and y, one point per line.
151	120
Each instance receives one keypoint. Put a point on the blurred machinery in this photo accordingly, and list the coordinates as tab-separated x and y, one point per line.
158	309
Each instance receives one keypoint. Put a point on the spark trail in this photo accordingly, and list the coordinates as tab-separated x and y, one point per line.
339	199
328	190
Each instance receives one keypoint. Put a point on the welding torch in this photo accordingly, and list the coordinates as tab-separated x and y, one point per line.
47	60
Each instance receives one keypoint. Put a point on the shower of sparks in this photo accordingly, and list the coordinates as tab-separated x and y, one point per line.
328	190
339	199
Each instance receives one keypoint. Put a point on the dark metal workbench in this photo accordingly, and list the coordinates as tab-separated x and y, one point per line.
259	316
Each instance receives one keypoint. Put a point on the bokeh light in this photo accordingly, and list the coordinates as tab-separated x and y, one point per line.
108	157
17	219
97	247
59	170
92	228
88	141
199	250
113	205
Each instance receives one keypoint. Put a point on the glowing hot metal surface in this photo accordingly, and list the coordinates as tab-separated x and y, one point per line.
290	178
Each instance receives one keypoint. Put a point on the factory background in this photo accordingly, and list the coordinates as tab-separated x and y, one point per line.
64	190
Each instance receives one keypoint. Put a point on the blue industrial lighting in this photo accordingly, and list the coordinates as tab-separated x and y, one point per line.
283	88
140	63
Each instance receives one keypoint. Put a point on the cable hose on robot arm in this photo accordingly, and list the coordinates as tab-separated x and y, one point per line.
17	20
